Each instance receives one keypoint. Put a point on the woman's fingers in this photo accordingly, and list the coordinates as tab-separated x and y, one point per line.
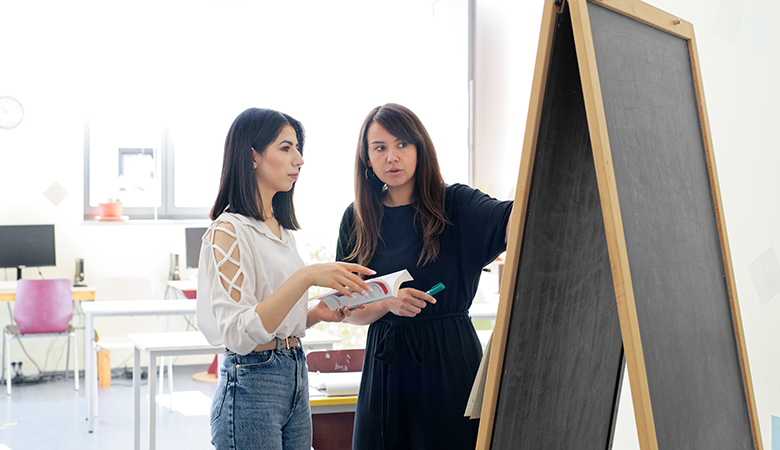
413	311
352	281
356	284
418	298
358	268
410	302
422	296
343	288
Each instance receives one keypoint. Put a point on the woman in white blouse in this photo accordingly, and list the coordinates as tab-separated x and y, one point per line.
252	288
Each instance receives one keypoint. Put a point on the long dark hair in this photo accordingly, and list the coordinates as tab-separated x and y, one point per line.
429	187
255	129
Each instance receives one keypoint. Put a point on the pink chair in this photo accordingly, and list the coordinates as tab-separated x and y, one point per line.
41	308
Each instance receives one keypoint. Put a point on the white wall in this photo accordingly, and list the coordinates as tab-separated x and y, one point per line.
739	49
326	65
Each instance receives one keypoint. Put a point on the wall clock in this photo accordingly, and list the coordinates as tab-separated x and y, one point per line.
11	112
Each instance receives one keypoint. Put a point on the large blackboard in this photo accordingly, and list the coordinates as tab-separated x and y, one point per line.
620	248
671	233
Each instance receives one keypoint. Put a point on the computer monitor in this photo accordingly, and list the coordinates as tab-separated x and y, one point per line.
193	239
27	246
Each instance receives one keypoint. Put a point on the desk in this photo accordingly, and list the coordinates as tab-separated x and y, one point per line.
332	418
8	292
318	340
194	343
160	344
322	404
114	309
483	311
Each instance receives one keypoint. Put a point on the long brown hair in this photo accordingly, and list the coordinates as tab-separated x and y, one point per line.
429	187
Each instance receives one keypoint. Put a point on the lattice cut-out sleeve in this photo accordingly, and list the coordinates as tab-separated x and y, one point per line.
236	284
228	257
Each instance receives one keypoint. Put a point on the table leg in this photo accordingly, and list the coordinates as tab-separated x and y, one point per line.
75	358
136	399
89	348
152	400
170	381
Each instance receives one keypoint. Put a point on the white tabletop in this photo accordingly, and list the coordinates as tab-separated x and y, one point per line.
317	337
184	285
129	307
170	340
483	311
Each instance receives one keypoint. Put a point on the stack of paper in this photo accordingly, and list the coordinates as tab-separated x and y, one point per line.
336	383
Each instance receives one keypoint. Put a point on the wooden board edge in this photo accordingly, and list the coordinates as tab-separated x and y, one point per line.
613	223
522	191
736	314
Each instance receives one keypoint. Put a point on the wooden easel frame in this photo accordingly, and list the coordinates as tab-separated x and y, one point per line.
611	210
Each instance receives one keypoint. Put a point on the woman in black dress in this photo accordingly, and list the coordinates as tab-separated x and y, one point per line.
422	353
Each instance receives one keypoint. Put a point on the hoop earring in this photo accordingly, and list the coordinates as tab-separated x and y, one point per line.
371	176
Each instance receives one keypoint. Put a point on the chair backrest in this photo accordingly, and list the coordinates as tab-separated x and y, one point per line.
43	306
123	288
347	360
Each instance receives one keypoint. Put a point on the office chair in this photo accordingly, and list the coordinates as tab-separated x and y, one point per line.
41	308
349	360
334	431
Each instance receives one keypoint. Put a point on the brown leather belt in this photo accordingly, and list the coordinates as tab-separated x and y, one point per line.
290	342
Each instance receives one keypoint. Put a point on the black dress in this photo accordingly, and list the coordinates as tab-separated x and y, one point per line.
418	372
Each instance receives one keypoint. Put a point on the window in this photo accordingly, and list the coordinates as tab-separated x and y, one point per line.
135	164
328	71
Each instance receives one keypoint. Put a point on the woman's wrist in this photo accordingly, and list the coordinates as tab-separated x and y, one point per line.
384	306
303	276
311	318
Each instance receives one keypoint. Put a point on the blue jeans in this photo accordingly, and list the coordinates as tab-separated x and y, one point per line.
262	402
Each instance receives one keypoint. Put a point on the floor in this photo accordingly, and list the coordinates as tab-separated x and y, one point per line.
51	415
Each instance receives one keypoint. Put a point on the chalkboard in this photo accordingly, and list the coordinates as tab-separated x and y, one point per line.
564	277
620	250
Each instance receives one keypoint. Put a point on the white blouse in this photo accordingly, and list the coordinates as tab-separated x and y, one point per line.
266	262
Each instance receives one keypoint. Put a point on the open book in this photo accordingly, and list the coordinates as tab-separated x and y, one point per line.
380	288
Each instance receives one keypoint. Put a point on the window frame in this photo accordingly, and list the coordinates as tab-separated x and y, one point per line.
167	209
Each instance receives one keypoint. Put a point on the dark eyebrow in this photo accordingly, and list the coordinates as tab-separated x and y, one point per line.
288	142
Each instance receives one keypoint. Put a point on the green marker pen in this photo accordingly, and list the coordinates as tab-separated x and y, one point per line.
436	289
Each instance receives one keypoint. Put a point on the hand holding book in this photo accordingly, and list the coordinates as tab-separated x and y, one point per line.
380	288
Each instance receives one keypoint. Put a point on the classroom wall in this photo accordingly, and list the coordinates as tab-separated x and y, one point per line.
738	43
739	49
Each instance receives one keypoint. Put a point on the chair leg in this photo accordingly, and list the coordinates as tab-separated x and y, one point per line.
7	352
3	370
67	359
